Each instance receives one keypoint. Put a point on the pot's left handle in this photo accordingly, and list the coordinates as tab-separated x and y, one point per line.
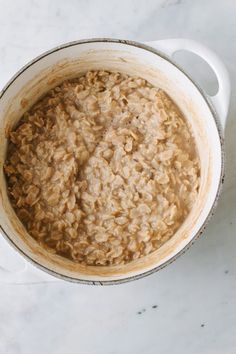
14	269
221	99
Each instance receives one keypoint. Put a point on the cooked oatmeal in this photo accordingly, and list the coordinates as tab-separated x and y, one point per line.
102	170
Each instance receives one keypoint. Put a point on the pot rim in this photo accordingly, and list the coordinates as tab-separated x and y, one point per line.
220	182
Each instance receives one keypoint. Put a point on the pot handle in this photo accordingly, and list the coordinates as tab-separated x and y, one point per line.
14	269
221	99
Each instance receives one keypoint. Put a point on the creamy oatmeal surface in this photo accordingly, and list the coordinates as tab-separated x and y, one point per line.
103	170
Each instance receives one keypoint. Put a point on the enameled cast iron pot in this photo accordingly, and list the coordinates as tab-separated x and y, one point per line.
153	62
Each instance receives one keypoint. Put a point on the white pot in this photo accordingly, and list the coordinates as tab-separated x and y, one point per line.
151	61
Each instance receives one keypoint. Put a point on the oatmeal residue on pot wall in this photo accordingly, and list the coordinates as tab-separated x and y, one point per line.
103	170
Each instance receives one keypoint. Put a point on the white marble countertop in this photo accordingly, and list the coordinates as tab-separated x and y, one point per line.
188	307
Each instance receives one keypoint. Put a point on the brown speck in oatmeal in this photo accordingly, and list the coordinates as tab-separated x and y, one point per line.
24	103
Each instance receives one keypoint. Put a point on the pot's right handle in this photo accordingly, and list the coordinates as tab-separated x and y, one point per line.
221	99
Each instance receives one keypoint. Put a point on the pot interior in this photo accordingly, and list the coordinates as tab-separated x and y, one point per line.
72	61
